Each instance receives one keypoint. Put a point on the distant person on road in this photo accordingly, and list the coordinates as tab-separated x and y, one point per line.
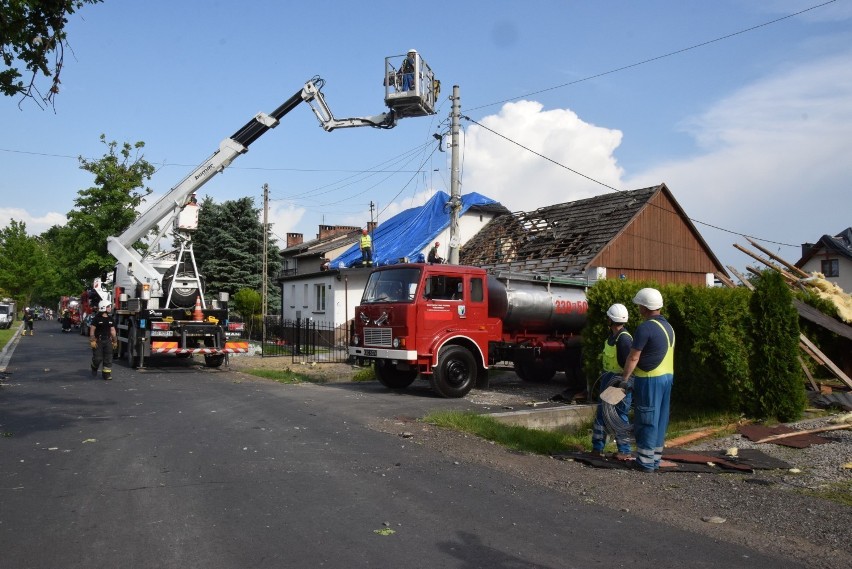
433	257
103	340
28	321
616	349
651	362
366	245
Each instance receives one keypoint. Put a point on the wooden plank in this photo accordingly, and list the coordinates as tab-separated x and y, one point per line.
838	373
725	280
796	270
743	279
767	262
813	315
808	351
805	369
806	432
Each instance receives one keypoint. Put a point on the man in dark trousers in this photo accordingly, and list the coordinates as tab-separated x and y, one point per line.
366	245
433	256
102	339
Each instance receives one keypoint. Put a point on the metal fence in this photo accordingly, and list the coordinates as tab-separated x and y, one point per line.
306	340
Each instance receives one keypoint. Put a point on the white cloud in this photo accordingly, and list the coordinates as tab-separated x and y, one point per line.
36	225
776	162
283	216
520	180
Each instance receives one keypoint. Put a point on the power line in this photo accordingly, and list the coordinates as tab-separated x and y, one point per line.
605	185
652	59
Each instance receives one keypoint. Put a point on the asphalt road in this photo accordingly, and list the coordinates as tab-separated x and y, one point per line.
182	467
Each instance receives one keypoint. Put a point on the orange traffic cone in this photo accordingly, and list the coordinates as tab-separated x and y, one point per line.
197	314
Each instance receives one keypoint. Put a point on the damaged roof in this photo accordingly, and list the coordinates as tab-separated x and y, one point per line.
564	238
840	244
572	232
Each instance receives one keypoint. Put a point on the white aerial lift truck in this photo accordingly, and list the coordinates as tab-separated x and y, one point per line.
160	302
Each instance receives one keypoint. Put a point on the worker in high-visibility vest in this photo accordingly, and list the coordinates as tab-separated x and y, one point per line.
651	363
366	244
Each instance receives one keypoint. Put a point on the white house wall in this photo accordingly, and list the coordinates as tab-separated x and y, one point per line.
844	281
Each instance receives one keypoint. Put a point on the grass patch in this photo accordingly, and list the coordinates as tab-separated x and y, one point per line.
281	376
6	335
511	436
365	374
840	492
549	442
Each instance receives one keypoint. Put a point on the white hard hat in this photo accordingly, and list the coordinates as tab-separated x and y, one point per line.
104	306
412	50
650	298
617	313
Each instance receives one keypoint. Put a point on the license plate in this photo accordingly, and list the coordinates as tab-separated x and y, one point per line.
371	353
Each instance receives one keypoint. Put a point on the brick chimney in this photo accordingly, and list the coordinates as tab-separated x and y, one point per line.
371	226
332	230
294	239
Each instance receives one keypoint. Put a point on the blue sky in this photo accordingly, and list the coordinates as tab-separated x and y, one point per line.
752	133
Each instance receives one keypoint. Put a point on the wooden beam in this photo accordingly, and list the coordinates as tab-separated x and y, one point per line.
806	432
745	281
838	373
811	314
767	262
808	351
725	280
796	270
805	369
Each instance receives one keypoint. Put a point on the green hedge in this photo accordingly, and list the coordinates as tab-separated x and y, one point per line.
732	352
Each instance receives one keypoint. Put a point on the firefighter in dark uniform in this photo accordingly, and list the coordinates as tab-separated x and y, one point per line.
102	339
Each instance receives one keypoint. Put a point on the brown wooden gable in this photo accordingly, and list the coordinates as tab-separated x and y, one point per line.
660	238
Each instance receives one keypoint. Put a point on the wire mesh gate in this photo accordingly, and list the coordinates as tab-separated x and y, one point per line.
306	340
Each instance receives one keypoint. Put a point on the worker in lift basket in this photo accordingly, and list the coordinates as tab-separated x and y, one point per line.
102	339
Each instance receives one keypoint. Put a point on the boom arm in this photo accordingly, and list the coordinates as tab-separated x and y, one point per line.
121	247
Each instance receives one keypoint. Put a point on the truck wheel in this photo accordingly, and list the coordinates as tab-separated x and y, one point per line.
455	374
539	370
393	378
214	360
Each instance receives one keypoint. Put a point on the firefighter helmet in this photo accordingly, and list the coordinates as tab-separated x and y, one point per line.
617	313
650	298
104	306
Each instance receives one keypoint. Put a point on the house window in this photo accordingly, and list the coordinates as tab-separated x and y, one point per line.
305	297
293	296
830	267
319	296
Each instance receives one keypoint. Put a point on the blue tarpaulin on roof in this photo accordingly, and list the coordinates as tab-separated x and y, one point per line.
409	232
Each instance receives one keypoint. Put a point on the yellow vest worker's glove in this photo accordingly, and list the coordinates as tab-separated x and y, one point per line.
93	343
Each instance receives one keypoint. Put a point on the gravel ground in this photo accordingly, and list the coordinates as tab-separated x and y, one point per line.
773	511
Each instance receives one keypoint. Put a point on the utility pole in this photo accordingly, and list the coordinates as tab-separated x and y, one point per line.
455	193
263	292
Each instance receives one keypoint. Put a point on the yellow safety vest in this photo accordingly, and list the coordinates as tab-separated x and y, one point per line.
610	354
666	366
366	241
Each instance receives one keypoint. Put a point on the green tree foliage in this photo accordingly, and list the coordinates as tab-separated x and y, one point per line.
107	208
229	248
246	302
32	32
776	373
26	273
720	360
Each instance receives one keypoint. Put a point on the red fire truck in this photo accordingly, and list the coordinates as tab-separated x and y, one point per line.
450	323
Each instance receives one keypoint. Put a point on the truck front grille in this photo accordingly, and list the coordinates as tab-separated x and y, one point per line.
380	337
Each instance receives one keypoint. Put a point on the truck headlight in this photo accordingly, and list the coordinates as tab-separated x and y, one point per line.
355	339
395	342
